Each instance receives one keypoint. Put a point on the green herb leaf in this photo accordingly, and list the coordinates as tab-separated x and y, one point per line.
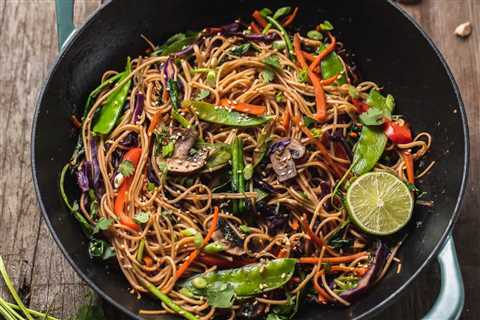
315	35
102	224
265	12
261	194
352	91
326	26
281	12
202	94
267	75
316	132
221	295
241	49
151	186
167	150
279	97
372	117
245	229
385	104
142	217
248	171
126	168
308	122
211	78
302	75
340	243
273	62
100	249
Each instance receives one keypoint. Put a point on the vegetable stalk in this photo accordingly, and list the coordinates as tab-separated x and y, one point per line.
238	179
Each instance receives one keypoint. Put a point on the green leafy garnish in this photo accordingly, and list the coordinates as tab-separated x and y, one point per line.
265	12
315	35
279	44
245	229
308	122
248	171
261	194
202	94
372	117
272	61
279	97
142	217
100	249
167	150
211	78
102	224
352	91
326	26
241	49
302	75
385	104
281	12
267	75
126	168
150	186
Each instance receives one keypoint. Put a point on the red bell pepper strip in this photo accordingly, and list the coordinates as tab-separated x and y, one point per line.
397	133
361	106
254	27
260	20
289	19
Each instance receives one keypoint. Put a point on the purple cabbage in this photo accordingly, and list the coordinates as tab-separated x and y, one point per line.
228	29
94	168
130	140
257	182
82	177
152	176
376	266
278	146
275	218
137	111
168	69
337	136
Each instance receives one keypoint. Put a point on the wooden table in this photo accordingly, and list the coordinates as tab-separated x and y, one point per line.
28	48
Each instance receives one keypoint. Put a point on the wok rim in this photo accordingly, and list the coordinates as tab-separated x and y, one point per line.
389	300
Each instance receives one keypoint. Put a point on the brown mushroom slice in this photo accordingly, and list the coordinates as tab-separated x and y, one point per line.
230	247
283	165
185	140
297	150
187	164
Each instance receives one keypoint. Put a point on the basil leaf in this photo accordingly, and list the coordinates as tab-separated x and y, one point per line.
372	117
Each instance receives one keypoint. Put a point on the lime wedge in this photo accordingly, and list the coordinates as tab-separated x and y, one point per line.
379	203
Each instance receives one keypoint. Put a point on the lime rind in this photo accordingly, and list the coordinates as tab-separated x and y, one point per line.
379	203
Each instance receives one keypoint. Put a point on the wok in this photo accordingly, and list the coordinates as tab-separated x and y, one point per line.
390	49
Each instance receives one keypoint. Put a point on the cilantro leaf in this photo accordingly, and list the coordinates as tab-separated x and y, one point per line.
385	104
352	91
372	117
281	12
102	224
302	75
150	186
272	61
279	97
267	75
221	295
241	49
126	168
167	150
100	249
142	217
308	122
202	94
326	26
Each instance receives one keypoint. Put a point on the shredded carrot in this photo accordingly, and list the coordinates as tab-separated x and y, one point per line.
244	107
165	94
330	80
407	157
320	101
324	53
76	123
353	134
323	296
308	56
194	254
318	242
338	171
289	19
286	120
283	253
154	123
294	224
341	259
147	261
260	20
255	28
359	271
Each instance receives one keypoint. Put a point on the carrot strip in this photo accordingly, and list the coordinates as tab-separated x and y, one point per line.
341	259
260	20
310	57
289	19
323	296
324	53
244	107
407	157
286	120
194	254
330	80
318	242
254	27
294	224
148	261
154	123
320	100
76	123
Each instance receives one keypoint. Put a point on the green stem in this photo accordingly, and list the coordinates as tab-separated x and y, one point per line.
284	33
8	308
62	189
97	90
32	312
168	302
141	246
12	290
5	313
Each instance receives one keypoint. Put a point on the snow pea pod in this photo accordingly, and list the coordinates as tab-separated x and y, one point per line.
98	89
238	180
385	104
173	91
249	280
215	114
368	149
110	112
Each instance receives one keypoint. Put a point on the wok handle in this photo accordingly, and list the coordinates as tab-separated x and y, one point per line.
65	26
450	300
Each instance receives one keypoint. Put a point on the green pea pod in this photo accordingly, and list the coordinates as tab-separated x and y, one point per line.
214	114
98	89
173	91
368	149
283	32
112	109
331	66
249	280
238	179
175	46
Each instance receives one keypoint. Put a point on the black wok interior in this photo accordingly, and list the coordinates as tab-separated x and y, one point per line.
389	50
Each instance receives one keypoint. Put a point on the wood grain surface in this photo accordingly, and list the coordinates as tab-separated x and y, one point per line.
28	46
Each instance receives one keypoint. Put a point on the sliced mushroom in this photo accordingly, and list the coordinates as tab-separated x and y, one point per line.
181	161
282	156
230	247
